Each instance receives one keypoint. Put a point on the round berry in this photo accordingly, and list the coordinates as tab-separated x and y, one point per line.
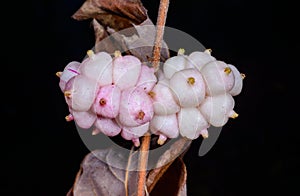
188	87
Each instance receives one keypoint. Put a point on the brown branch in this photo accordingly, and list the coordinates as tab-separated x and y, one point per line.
144	150
160	25
143	161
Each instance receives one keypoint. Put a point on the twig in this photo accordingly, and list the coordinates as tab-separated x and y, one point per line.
143	160
127	172
144	152
160	25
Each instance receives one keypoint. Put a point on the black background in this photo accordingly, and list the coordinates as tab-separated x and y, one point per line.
41	152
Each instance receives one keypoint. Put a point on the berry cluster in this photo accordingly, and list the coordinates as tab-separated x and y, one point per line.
122	95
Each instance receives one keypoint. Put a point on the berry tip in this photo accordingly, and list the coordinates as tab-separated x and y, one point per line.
191	81
95	131
68	94
151	94
243	76
181	51
227	70
90	53
69	118
208	51
58	74
234	115
117	53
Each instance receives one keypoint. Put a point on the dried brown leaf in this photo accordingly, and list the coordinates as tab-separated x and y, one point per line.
103	42
96	177
173	181
117	14
177	149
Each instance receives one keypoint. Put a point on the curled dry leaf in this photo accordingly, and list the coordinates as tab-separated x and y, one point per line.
96	177
117	14
175	151
173	180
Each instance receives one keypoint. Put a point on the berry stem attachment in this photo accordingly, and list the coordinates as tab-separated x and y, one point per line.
208	51
117	53
90	53
69	118
181	51
243	76
233	115
68	94
58	74
162	139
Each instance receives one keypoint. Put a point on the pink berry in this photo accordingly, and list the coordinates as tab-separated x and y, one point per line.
133	133
217	109
135	107
83	93
107	126
163	100
175	64
238	81
218	77
98	67
199	59
191	122
126	71
166	125
188	87
130	133
69	72
108	101
127	135
84	119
